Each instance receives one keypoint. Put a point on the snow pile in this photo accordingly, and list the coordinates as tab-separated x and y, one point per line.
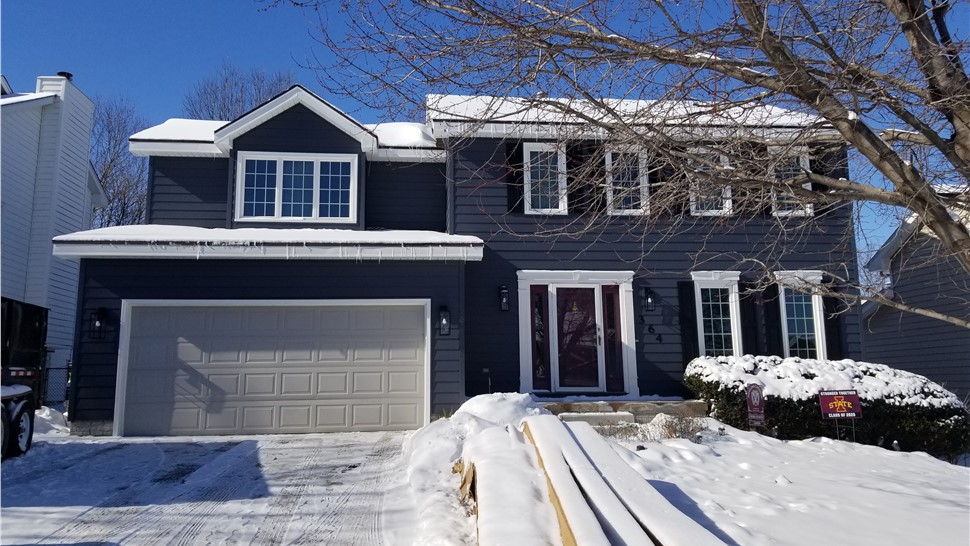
751	489
802	379
431	454
50	422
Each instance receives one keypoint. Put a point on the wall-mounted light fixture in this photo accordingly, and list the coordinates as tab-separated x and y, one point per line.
503	298
648	299
444	321
96	323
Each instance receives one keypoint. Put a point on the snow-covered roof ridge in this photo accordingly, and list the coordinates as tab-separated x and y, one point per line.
574	111
803	378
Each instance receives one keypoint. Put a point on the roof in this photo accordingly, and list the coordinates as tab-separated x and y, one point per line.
11	99
451	115
880	261
410	142
166	241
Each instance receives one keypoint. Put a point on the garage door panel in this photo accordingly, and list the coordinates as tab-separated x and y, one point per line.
285	369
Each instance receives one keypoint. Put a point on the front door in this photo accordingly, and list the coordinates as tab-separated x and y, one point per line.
579	347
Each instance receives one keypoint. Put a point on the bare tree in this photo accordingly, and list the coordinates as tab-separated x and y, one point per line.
123	175
884	79
232	92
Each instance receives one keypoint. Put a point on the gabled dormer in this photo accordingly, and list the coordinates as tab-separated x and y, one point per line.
295	160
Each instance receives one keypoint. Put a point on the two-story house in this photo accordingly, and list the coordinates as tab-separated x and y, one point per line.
49	188
303	272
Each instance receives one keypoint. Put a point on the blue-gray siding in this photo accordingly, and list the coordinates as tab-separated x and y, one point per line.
406	196
188	191
106	282
662	254
922	345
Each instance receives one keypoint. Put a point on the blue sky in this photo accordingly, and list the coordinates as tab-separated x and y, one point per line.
151	52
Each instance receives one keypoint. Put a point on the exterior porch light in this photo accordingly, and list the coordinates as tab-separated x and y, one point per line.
503	298
648	300
96	323
444	321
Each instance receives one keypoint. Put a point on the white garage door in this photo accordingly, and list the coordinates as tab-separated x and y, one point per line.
273	368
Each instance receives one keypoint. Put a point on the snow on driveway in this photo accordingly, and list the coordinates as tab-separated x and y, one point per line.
335	489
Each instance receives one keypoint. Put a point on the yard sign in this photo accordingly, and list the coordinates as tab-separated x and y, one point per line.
840	404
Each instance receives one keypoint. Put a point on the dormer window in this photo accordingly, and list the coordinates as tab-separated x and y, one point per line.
788	168
627	182
707	196
544	178
296	187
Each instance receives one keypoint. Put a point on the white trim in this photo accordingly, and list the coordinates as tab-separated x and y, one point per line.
801	154
262	251
643	170
802	281
715	280
295	95
175	149
727	205
124	342
527	149
577	278
281	157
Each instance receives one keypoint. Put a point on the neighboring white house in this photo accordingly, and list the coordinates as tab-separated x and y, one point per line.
47	188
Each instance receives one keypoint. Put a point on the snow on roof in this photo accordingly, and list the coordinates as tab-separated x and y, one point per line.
572	111
802	378
16	98
184	242
403	135
155	233
183	130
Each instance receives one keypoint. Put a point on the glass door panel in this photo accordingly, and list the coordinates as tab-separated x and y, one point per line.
578	337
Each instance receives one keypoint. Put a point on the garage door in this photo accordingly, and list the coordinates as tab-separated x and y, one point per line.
274	368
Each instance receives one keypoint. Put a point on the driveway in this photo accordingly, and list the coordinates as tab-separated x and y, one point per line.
339	489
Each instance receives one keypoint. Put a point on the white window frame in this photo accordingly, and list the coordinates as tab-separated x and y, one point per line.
800	153
805	280
722	163
527	149
719	279
280	157
643	169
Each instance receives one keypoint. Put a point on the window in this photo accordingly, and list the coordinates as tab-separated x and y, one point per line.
627	182
545	179
785	203
707	196
296	187
802	314
718	312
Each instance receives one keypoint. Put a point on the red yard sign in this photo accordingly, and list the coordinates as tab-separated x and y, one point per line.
840	404
756	405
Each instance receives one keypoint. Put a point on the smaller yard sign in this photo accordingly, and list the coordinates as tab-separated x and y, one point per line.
840	404
756	405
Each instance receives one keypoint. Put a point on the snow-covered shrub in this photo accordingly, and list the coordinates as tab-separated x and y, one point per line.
896	405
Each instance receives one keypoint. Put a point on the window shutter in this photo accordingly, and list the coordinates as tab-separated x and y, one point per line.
832	308
513	177
688	321
751	319
774	344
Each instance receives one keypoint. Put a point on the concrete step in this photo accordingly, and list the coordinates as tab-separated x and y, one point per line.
598	419
642	412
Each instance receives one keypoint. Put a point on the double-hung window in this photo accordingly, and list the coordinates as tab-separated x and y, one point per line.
708	197
544	178
296	187
627	182
787	168
718	312
802	313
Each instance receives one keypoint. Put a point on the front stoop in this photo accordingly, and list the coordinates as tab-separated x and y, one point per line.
603	413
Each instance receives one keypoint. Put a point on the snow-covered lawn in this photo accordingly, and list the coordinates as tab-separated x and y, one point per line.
399	488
